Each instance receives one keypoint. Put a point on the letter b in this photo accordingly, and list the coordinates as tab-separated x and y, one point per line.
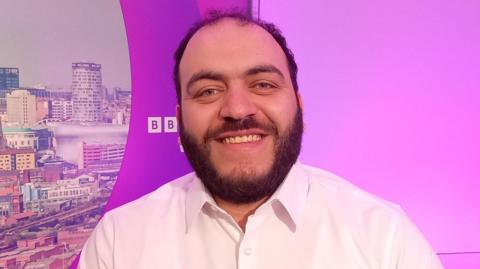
154	124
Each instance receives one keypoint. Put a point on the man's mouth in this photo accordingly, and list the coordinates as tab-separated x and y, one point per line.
241	139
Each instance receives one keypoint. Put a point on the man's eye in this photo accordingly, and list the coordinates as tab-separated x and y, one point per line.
208	92
264	85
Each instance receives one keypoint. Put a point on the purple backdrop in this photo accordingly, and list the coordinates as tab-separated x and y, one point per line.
392	101
153	30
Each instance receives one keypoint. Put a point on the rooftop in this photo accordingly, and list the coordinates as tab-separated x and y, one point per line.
16	151
17	129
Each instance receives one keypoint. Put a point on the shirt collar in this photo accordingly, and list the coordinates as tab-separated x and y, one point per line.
291	196
195	199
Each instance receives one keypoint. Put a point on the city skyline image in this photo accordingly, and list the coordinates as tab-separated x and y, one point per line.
65	108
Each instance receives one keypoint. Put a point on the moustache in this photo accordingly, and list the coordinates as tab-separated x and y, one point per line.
240	125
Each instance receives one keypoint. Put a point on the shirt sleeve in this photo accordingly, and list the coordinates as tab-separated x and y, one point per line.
97	253
412	250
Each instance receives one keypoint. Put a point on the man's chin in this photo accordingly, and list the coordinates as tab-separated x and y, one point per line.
242	171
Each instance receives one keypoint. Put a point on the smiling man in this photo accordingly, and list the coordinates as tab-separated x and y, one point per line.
249	203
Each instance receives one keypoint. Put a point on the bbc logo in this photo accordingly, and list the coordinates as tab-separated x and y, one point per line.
162	124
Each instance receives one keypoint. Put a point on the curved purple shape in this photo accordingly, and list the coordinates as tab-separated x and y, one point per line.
154	28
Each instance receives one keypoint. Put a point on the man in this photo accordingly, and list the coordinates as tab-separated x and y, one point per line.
250	204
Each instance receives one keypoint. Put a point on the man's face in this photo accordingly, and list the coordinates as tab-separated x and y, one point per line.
239	113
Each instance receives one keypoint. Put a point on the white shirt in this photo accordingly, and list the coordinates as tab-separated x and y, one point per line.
314	220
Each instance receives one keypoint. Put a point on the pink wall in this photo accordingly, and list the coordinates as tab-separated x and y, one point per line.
392	103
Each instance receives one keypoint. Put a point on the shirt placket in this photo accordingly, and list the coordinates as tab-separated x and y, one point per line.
248	250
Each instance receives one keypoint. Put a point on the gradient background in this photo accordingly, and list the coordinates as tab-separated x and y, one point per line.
391	93
392	103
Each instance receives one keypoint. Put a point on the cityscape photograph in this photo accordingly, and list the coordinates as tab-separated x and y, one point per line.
63	130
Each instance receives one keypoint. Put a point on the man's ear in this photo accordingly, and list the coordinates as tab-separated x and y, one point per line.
178	113
299	100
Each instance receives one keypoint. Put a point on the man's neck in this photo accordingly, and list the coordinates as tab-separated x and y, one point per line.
239	212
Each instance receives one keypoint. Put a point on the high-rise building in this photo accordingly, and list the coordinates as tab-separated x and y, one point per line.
61	109
21	107
42	97
9	78
86	92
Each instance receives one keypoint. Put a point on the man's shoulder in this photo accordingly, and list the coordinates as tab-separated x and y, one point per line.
168	196
340	193
371	225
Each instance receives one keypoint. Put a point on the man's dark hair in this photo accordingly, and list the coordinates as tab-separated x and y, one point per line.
216	16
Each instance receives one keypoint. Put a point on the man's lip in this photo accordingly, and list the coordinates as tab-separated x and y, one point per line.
224	135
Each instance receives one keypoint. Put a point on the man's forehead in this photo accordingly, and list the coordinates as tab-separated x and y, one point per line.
230	37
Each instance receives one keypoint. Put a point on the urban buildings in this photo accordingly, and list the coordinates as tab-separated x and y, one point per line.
48	196
21	107
17	159
61	109
121	94
9	79
101	155
28	138
86	92
60	154
20	138
11	203
41	255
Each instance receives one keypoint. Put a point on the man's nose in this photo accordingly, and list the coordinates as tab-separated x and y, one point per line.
238	104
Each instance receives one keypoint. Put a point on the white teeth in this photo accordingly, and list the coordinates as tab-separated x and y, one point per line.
241	139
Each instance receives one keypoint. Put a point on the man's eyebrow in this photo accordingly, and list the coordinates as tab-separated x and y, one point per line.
266	68
204	75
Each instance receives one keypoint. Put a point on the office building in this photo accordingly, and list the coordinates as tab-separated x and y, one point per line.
17	159
86	92
101	155
28	138
21	107
61	109
9	79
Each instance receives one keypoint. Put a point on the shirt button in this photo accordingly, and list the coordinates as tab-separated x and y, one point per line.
247	251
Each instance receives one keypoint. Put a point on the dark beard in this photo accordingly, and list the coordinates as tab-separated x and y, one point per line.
250	187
